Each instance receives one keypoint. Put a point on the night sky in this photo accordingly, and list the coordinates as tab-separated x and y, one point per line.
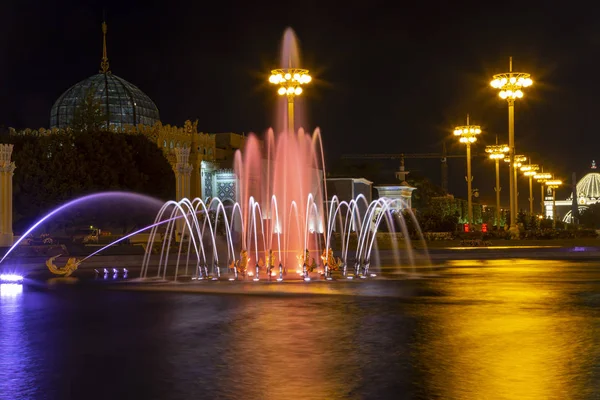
387	79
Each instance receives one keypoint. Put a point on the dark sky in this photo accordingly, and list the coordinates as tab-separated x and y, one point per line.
388	78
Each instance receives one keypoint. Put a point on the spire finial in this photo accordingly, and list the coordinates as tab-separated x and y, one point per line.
467	119
510	64
104	67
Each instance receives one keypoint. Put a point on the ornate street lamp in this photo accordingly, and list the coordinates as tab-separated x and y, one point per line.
497	152
553	184
290	81
511	86
519	160
542	178
468	135
530	171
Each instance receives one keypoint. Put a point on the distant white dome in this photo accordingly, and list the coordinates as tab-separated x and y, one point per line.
589	186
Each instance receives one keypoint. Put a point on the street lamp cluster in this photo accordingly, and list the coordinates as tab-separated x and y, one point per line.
530	171
468	135
511	86
553	184
290	81
497	152
511	83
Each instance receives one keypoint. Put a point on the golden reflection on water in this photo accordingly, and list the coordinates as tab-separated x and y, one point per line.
295	351
508	334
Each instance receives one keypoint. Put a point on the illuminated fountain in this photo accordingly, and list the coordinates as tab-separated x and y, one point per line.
287	239
283	225
280	217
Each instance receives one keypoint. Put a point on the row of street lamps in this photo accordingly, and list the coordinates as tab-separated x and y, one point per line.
510	85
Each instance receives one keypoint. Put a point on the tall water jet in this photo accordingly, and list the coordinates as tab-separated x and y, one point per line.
289	77
284	175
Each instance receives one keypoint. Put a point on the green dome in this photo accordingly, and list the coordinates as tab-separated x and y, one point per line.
122	103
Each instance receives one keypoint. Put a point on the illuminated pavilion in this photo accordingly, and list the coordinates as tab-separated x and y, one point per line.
588	193
201	161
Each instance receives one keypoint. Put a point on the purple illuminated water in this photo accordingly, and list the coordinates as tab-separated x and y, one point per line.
134	198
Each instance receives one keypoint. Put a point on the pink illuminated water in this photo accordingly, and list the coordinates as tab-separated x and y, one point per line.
290	52
284	175
290	58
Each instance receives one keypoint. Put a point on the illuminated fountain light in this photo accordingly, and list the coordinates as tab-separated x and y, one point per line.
256	277
11	278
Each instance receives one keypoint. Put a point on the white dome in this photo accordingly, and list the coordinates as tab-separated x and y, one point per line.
589	186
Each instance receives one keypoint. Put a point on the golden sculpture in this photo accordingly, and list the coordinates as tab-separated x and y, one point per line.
270	262
241	265
306	259
330	261
70	267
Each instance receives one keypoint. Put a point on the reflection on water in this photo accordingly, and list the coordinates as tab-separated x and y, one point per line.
14	355
518	332
493	329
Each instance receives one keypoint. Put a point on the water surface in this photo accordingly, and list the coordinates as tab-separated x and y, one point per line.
499	329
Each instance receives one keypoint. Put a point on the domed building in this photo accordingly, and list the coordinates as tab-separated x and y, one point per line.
121	102
201	161
588	192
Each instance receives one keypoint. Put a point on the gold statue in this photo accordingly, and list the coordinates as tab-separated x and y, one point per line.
67	270
306	259
270	262
329	260
241	265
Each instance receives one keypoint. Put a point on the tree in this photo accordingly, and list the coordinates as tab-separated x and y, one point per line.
55	168
590	217
89	116
425	190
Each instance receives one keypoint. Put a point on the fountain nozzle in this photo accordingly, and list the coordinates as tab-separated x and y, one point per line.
256	278
280	273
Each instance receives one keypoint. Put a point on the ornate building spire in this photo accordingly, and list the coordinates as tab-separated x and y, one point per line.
104	67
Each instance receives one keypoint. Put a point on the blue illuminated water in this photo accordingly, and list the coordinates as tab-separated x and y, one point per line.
494	329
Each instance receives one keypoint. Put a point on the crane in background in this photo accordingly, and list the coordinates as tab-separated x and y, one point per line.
401	174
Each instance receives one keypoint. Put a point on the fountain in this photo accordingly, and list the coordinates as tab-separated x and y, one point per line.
282	216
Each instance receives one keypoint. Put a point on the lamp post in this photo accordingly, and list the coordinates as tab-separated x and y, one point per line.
468	135
530	171
290	81
553	184
542	178
510	85
497	152
519	159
